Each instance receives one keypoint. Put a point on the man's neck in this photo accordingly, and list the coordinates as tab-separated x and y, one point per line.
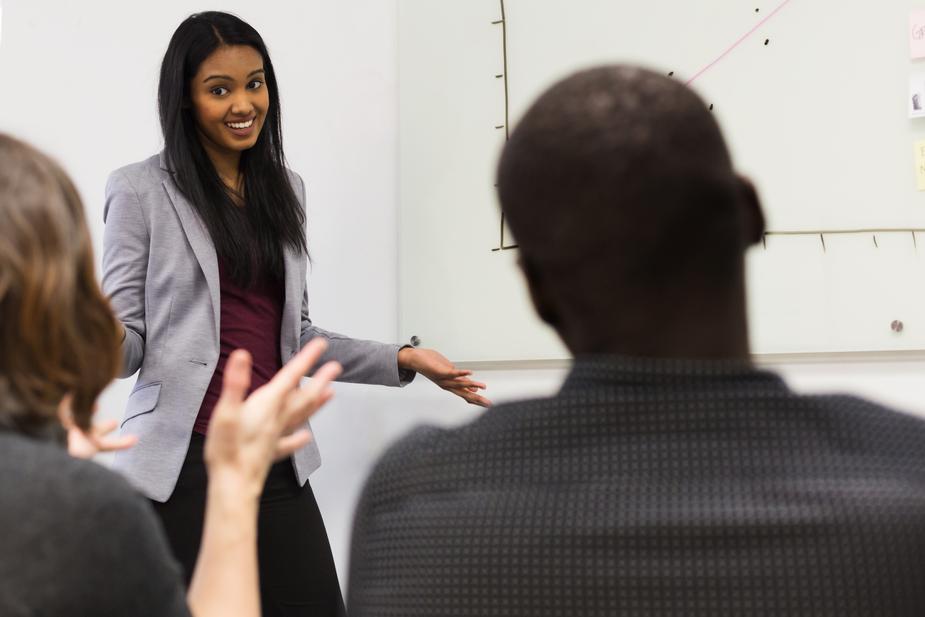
709	331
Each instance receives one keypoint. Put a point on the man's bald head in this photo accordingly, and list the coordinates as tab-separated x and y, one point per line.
619	178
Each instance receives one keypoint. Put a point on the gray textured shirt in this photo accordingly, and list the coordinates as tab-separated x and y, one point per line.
76	540
654	488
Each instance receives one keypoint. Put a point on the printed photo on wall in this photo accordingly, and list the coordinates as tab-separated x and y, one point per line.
916	102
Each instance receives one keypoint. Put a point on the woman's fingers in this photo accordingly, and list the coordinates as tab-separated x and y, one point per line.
466	389
454	373
445	372
477	399
470	397
467	383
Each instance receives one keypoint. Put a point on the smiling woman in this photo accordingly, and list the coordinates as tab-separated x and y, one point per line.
205	252
216	77
217	103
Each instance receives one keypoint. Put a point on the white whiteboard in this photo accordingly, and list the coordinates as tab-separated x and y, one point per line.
812	97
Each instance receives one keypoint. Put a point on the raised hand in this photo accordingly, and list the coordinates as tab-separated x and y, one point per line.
246	435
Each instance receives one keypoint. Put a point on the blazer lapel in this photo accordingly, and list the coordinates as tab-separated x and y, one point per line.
199	240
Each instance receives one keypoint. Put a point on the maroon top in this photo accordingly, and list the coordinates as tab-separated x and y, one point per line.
250	319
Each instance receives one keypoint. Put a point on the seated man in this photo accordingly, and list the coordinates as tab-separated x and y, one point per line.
668	476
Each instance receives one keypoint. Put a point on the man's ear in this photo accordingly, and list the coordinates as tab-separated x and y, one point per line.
538	291
753	225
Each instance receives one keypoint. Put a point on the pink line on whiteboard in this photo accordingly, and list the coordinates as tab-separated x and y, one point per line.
737	43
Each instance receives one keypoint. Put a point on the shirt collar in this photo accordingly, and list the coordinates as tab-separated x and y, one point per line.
679	373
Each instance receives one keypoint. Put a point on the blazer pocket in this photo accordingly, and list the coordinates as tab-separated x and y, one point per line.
142	400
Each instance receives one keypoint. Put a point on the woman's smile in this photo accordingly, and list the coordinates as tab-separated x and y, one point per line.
242	128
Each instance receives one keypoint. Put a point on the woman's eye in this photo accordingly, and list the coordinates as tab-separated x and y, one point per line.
219	91
255	84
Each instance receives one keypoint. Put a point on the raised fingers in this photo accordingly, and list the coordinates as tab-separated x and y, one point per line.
290	443
305	401
288	377
237	378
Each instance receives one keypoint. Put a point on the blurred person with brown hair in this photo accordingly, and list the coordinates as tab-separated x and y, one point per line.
75	539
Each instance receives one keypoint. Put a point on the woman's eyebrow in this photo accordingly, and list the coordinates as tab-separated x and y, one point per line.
249	75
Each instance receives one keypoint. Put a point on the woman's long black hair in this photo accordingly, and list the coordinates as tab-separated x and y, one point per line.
252	239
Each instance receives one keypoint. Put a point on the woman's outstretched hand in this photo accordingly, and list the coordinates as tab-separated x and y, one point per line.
247	435
438	369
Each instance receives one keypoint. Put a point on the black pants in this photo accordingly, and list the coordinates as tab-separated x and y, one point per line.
297	575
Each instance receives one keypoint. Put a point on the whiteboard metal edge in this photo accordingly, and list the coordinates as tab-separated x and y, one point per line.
770	359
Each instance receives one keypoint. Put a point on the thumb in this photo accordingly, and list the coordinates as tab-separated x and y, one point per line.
237	378
65	414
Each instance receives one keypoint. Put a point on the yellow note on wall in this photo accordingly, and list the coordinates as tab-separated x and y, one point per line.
920	164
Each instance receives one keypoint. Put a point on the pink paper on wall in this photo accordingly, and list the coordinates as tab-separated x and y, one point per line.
917	33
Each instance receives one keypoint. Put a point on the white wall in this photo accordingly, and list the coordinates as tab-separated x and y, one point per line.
342	136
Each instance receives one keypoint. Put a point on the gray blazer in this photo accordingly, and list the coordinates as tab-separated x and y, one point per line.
160	272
